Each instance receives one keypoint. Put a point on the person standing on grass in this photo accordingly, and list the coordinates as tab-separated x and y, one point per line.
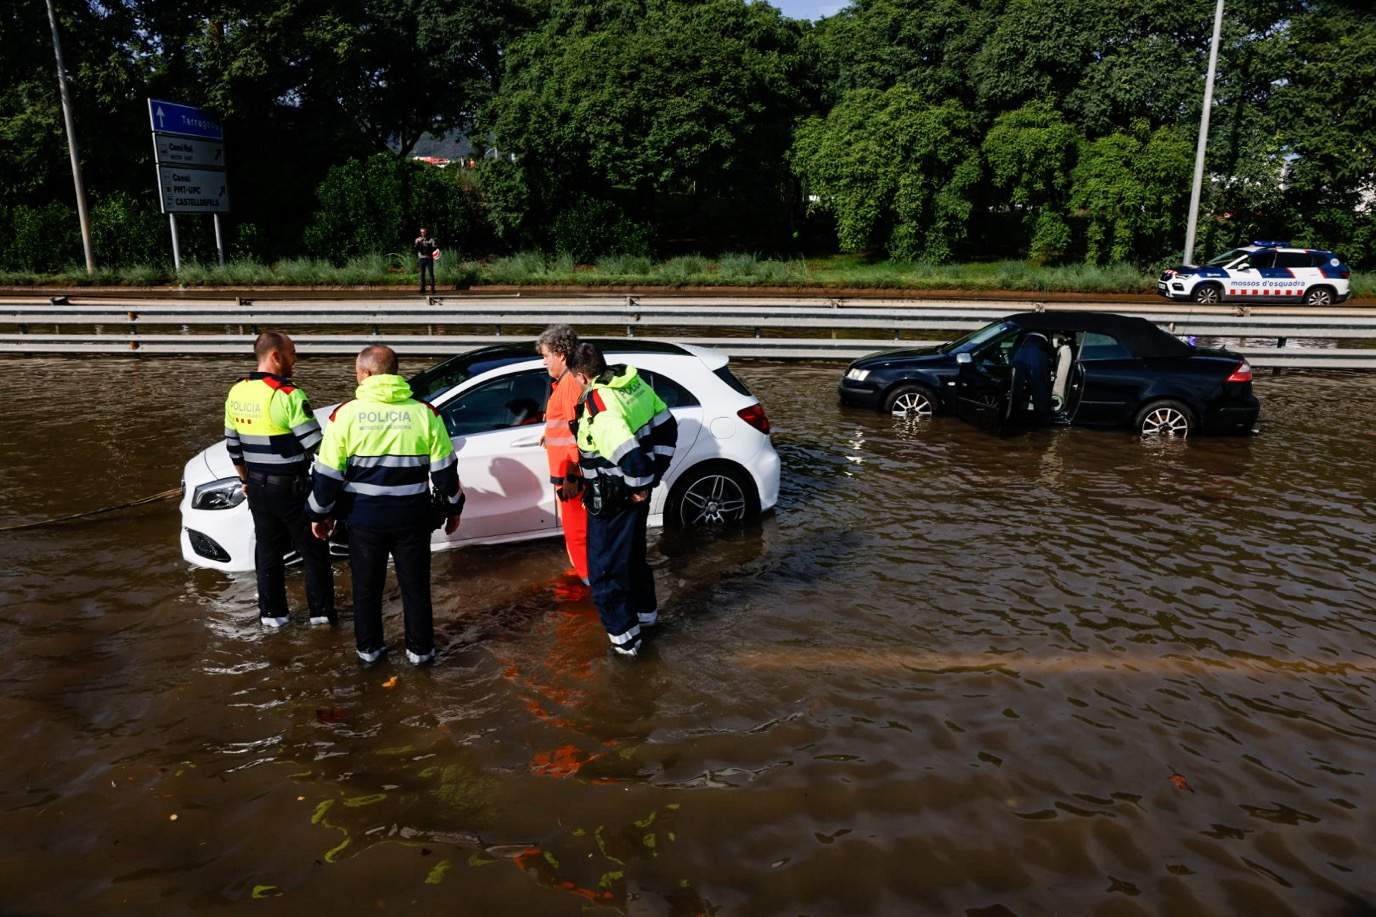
557	345
425	257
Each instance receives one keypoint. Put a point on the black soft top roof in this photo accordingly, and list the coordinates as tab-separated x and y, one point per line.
1139	336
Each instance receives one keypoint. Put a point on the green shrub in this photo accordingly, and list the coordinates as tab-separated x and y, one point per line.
624	265
684	269
376	205
42	238
590	227
126	232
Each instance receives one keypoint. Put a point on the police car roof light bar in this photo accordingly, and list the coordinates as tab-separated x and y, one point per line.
1263	243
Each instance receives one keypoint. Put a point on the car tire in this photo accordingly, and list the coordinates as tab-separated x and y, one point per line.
912	400
1208	294
1319	296
1165	418
712	495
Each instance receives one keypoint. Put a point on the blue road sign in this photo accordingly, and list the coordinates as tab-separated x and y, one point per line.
171	118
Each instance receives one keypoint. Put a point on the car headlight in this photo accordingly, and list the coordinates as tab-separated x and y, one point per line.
225	493
857	375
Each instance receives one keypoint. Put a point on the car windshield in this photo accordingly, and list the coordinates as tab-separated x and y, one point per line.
975	338
1228	257
435	381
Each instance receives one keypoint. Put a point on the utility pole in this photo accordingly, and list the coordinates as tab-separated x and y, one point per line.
71	144
1203	137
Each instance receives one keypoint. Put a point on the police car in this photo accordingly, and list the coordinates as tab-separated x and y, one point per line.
1262	272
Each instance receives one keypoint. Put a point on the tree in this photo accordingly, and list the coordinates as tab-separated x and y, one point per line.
928	46
1031	154
638	98
897	175
1133	188
1330	136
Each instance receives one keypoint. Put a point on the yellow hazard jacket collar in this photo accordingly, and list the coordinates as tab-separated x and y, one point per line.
386	388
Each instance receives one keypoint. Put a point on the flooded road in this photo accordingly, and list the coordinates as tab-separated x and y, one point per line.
1062	673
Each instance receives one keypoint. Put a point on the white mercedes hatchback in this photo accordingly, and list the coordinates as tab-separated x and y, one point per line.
725	469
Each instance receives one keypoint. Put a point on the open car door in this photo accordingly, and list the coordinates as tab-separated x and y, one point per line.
984	385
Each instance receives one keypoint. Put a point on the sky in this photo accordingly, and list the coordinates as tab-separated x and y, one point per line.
808	9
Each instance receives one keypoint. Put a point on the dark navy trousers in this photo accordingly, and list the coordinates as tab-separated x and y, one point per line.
622	584
410	551
278	505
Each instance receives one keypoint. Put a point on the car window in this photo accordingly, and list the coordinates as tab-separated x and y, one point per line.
670	392
974	339
514	400
1096	346
1261	259
1227	257
1294	259
1001	350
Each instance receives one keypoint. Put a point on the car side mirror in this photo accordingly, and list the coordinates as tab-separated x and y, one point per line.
964	357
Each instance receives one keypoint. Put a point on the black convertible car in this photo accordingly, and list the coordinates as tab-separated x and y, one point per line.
1083	368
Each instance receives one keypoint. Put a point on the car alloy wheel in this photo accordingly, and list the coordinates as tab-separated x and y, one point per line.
1165	420
1319	296
911	401
1207	293
713	500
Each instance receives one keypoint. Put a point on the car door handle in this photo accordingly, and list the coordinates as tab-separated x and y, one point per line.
526	442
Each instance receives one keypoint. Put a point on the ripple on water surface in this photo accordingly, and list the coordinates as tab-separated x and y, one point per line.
1062	672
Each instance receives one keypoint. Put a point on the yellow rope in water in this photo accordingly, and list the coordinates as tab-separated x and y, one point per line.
165	495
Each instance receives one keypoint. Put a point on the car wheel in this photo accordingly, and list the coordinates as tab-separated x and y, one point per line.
911	401
712	496
1165	418
1319	296
1208	293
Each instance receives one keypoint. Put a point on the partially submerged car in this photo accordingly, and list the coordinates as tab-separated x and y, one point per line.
725	469
1101	369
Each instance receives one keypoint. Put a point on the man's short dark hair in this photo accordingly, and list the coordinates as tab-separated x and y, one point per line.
379	359
269	342
588	360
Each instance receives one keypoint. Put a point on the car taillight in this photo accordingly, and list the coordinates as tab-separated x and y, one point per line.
1243	373
1345	274
755	416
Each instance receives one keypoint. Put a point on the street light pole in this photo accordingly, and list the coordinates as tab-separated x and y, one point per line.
82	215
1203	137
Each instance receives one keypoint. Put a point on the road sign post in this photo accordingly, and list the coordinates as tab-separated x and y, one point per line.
189	153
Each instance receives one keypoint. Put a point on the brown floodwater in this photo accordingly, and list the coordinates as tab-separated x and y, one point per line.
1069	672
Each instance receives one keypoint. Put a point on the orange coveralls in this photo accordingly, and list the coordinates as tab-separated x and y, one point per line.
562	450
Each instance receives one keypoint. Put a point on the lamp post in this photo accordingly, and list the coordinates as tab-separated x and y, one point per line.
1203	137
81	213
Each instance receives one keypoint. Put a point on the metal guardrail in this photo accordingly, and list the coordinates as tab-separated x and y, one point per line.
118	327
443	345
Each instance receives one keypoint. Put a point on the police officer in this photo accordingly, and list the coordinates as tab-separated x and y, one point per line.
425	258
372	469
626	438
271	433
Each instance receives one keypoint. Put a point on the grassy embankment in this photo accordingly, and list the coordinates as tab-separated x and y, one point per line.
730	270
